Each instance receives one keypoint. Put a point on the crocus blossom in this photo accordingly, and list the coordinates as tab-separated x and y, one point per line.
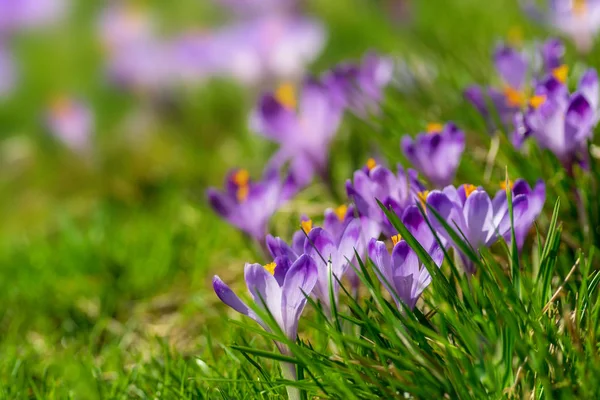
559	121
513	68
249	205
536	197
578	19
395	191
436	153
470	212
27	14
303	128
360	87
333	257
71	121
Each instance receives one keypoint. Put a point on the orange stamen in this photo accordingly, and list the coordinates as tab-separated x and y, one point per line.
423	197
270	267
341	212
434	127
396	239
561	73
536	101
469	189
241	177
286	95
242	193
306	226
514	97
510	185
371	163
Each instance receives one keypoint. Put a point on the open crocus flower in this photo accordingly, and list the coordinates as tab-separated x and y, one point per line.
71	121
395	191
304	129
559	121
536	198
578	19
402	273
333	257
360	86
513	68
437	153
471	213
250	205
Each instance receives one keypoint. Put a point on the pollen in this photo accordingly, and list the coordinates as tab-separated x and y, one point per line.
561	73
241	177
514	97
469	189
396	239
286	95
371	163
423	197
579	7
306	225
270	267
434	127
341	212
536	101
242	193
511	184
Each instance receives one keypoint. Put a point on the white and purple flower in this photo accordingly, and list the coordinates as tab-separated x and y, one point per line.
436	153
71	121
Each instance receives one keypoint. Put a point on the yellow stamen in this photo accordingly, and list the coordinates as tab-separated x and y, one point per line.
286	95
510	184
242	193
434	127
241	177
61	105
515	36
469	189
514	97
579	7
271	267
371	163
341	212
396	239
561	73
536	101
306	226
423	197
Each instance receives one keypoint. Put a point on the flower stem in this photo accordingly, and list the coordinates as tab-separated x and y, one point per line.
288	370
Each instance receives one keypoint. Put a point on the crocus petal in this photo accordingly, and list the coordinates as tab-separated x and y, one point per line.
479	216
378	253
219	202
264	289
588	86
511	66
299	283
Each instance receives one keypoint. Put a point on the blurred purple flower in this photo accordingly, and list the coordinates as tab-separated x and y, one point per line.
71	121
436	153
122	26
8	73
578	19
360	87
333	257
559	121
250	205
536	198
379	183
29	14
252	8
280	287
513	67
304	131
473	216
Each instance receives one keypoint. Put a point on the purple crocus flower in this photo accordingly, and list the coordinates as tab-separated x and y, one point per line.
360	86
7	72
28	14
122	26
250	8
513	68
280	287
559	121
402	273
249	205
437	153
472	214
536	198
578	19
304	134
71	121
396	191
333	256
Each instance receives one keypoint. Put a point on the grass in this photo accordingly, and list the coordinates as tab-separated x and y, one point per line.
107	259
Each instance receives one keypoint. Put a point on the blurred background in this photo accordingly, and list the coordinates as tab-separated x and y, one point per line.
115	116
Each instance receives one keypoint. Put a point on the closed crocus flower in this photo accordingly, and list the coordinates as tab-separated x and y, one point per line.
559	121
578	19
303	128
360	86
375	182
470	212
436	153
514	67
536	198
333	257
249	205
71	121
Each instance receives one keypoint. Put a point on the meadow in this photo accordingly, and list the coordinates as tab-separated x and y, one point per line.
108	249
